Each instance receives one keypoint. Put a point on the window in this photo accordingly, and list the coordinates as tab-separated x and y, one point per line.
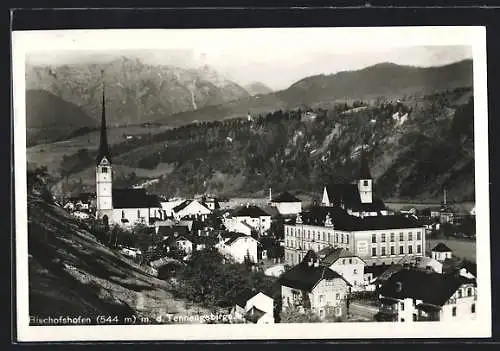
401	236
308	234
419	248
350	261
342	238
324	236
321	313
343	261
123	214
383	251
459	293
336	237
365	183
374	251
454	312
392	250
104	169
355	271
469	292
401	250
410	236
473	308
138	213
402	319
383	237
402	306
419	236
374	238
321	299
392	237
414	317
410	249
347	238
337	296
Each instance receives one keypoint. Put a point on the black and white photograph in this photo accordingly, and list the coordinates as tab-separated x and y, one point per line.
260	183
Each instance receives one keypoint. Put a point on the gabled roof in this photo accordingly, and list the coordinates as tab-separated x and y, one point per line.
250	211
343	221
305	277
330	255
432	288
244	296
285	197
233	236
134	198
172	230
441	248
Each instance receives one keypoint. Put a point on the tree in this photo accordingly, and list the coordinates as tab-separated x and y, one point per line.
294	315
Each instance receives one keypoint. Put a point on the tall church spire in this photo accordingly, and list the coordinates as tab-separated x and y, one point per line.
103	146
364	172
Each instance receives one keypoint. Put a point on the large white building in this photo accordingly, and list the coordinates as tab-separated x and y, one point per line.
124	207
287	204
352	218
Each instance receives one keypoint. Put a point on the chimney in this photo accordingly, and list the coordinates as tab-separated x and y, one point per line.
310	263
316	263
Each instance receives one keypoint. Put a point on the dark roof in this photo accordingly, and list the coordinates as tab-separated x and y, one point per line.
170	230
441	248
330	255
305	277
343	221
431	288
348	195
250	211
285	197
471	267
244	296
254	314
181	206
233	236
134	198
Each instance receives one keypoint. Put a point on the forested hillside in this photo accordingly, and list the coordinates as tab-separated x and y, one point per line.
416	146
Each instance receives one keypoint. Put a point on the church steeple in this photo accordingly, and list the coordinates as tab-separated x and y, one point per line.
103	146
364	172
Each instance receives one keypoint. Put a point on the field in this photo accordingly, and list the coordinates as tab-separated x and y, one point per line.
461	248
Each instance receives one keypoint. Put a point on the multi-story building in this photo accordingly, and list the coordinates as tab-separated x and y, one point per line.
374	239
414	295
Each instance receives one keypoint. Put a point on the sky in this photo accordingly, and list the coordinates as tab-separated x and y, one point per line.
275	57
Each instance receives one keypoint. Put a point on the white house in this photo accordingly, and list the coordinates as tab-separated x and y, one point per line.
275	271
191	209
414	295
254	307
254	216
233	225
237	246
441	252
287	204
347	264
80	214
325	289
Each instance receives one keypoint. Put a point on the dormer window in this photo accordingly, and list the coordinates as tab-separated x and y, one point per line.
104	169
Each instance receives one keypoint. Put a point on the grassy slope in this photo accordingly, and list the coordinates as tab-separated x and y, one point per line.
71	274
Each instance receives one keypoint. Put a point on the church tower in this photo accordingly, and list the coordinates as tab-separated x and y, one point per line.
104	175
365	182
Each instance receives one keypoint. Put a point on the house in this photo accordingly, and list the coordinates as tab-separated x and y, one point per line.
237	246
413	295
80	214
348	265
254	216
233	225
253	306
169	205
358	198
190	209
309	285
275	271
375	239
287	204
441	252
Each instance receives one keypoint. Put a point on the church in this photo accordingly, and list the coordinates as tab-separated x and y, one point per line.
124	207
357	199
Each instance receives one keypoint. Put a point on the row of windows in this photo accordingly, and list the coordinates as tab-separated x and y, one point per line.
392	237
383	251
317	235
293	244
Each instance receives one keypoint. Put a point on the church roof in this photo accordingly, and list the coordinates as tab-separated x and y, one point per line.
285	197
103	146
364	172
134	198
348	195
